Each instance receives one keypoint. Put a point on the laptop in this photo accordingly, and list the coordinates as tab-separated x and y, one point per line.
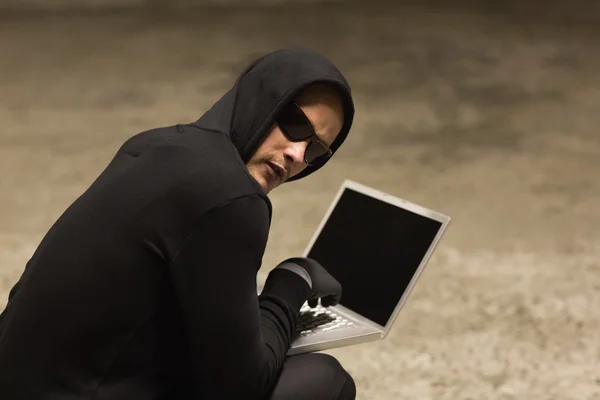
376	245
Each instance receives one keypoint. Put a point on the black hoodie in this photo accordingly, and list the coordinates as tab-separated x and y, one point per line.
145	288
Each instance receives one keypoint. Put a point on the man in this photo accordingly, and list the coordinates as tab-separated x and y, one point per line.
145	288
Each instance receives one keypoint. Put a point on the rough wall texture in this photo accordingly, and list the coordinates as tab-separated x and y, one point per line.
489	118
116	4
548	11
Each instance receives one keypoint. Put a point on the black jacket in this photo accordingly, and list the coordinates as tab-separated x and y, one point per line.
145	288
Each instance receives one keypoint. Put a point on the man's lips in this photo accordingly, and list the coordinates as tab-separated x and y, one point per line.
279	170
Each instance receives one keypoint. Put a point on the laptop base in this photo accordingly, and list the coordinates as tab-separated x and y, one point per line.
321	342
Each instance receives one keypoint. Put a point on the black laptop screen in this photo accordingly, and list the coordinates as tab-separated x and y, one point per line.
373	249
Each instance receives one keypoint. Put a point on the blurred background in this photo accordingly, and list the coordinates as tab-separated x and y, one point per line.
486	111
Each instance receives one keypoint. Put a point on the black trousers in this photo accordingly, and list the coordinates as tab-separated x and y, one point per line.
313	376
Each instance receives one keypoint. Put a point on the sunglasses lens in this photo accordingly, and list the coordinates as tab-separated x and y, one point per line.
294	124
314	151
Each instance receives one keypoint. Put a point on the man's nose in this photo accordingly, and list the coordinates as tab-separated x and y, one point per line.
295	152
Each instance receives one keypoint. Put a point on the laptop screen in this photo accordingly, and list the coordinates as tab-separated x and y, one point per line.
373	249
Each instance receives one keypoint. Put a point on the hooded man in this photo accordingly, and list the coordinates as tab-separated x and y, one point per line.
145	288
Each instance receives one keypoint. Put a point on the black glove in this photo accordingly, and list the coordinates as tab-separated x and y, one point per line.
324	286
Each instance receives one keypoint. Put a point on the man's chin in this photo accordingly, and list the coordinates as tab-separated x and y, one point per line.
267	188
265	183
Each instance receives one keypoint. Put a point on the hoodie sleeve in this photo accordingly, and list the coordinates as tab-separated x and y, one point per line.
238	341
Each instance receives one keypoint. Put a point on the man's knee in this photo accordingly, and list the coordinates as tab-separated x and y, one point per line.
313	376
334	373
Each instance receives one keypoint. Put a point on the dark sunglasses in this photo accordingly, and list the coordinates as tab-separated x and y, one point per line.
296	126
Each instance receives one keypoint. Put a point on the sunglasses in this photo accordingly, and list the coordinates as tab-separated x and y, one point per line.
296	127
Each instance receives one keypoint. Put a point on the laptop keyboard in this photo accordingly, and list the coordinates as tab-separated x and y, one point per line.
319	319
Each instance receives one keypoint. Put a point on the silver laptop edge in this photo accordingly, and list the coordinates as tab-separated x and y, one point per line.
398	202
364	330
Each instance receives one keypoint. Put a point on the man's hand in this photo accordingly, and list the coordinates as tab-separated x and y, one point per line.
324	286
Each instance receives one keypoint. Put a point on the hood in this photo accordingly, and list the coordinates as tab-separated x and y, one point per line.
248	110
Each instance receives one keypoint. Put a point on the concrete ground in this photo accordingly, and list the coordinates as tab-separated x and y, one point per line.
490	119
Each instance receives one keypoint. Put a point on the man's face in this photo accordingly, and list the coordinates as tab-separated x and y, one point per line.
277	152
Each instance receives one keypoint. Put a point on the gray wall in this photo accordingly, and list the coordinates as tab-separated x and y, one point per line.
105	4
492	120
549	11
